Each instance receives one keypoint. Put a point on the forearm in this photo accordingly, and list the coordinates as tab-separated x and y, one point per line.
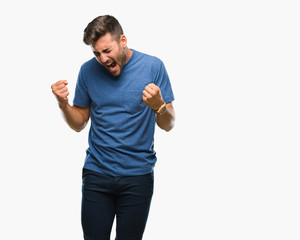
166	121
165	115
73	117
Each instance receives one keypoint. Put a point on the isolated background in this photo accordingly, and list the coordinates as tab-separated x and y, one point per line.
228	170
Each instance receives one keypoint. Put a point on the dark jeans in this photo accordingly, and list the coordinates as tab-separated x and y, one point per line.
104	197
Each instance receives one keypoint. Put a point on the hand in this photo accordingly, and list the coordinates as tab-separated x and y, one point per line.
61	92
152	97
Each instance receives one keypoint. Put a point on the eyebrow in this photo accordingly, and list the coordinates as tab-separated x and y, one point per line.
104	50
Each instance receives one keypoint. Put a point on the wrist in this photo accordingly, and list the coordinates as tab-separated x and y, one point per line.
62	105
162	109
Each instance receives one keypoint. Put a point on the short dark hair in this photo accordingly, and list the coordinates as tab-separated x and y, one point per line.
99	27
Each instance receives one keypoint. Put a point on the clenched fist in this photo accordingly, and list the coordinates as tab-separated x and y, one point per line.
152	97
61	91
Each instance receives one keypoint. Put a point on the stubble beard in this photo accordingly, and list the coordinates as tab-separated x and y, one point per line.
121	60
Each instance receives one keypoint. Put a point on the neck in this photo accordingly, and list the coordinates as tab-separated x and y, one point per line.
128	53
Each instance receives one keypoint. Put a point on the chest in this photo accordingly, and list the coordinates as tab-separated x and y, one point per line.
122	94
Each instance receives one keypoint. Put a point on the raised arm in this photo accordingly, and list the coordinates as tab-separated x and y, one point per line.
76	117
165	114
166	118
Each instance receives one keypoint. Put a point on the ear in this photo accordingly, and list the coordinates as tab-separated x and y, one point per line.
123	41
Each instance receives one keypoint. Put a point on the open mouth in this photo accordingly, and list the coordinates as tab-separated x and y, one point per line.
111	66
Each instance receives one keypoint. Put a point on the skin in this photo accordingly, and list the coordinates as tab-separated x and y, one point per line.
113	54
107	50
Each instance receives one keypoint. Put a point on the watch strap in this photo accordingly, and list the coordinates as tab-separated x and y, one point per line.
162	109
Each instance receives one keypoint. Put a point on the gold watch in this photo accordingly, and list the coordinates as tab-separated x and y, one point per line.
162	109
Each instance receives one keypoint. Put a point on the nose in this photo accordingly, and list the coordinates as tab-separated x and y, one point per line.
103	58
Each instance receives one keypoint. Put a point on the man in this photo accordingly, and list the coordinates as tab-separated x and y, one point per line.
123	92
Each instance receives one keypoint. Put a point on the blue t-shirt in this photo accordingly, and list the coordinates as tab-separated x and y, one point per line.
122	127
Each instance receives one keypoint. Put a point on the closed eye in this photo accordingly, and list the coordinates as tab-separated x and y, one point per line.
96	54
106	50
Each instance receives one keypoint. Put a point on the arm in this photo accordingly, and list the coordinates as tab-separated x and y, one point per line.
152	98
76	117
166	119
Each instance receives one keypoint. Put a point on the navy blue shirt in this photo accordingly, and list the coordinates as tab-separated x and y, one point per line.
122	127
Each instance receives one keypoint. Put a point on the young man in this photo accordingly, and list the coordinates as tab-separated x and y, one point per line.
123	92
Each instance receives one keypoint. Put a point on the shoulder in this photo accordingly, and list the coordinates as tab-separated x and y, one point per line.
90	64
153	63
147	57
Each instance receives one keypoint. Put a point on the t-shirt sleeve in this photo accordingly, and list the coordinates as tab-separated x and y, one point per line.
163	82
81	97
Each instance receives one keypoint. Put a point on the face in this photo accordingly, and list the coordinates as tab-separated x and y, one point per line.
111	53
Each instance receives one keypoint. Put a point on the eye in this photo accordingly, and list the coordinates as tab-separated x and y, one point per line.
107	50
96	54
